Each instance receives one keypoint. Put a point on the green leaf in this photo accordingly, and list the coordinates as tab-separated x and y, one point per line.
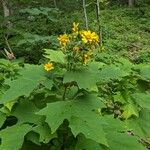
142	99
80	114
25	112
90	126
129	110
113	124
111	72
56	113
72	91
144	122
47	83
2	119
44	131
133	126
125	65
119	98
84	78
9	105
4	61
31	77
117	136
95	66
145	71
86	144
55	56
122	141
13	137
33	137
140	126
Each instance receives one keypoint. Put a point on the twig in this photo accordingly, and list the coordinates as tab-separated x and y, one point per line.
8	54
8	45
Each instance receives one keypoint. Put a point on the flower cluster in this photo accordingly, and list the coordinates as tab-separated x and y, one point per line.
77	46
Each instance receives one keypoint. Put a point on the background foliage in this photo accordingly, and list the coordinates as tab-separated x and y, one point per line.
102	104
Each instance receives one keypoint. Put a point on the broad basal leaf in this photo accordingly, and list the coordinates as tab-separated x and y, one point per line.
123	141
81	117
47	83
142	99
145	71
125	65
91	127
84	78
133	126
25	111
140	126
113	124
86	144
13	137
30	78
144	121
44	132
56	113
117	136
33	137
111	72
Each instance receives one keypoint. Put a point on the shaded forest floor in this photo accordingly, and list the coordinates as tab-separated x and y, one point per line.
126	31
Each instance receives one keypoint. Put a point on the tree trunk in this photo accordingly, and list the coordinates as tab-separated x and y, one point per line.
85	14
99	21
130	3
55	3
7	12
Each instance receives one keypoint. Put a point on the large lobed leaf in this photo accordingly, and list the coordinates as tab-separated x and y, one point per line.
140	126
13	137
80	115
122	141
24	111
87	144
30	78
145	71
117	136
85	79
111	72
142	99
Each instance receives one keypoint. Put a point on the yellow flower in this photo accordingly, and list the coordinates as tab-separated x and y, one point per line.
89	37
63	39
75	28
49	66
86	58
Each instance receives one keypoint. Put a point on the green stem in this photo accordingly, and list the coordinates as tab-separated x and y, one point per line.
64	94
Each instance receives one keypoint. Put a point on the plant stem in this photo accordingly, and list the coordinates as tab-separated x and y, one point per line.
64	94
